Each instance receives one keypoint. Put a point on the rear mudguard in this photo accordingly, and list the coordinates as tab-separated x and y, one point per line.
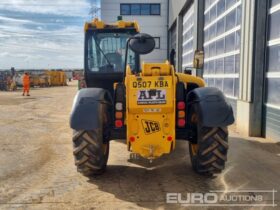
213	108
89	107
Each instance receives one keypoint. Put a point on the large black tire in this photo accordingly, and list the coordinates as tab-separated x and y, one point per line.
90	152
209	151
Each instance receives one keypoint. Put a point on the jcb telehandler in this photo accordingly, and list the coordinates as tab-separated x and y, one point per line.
149	106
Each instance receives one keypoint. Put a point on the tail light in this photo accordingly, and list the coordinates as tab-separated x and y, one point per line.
119	105
118	115
181	123
181	105
118	123
181	114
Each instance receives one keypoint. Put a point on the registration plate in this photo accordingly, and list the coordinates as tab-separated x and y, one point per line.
151	97
150	84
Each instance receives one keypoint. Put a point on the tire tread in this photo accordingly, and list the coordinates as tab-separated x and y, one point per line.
212	152
88	152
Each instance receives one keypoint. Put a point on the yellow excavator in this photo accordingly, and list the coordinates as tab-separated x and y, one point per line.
150	105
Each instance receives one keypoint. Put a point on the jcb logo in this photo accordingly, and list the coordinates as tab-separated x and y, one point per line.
150	126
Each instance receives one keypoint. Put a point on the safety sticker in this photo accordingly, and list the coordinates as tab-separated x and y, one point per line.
151	97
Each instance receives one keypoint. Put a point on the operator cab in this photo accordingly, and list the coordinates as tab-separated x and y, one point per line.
105	52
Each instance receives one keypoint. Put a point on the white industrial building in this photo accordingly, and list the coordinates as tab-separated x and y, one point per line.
241	41
150	14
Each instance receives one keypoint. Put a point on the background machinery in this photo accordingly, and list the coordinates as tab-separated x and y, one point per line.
150	106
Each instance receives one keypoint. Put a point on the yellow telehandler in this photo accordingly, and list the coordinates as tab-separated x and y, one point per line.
150	106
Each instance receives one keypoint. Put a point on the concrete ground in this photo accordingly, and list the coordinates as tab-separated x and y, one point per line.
37	167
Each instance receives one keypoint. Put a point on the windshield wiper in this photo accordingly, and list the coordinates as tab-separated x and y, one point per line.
102	53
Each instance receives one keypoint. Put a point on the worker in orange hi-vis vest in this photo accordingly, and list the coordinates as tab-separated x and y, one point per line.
26	84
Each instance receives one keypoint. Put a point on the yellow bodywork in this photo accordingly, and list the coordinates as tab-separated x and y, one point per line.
153	126
191	79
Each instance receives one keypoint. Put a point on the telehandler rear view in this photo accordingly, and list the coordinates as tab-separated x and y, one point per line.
149	106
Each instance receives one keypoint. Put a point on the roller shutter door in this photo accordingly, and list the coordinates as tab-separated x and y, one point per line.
222	46
272	101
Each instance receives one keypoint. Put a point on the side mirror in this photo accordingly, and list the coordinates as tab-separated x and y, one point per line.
142	44
198	60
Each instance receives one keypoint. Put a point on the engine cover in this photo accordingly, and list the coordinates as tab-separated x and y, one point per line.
150	114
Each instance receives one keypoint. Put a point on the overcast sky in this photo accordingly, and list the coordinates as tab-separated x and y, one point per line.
42	33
